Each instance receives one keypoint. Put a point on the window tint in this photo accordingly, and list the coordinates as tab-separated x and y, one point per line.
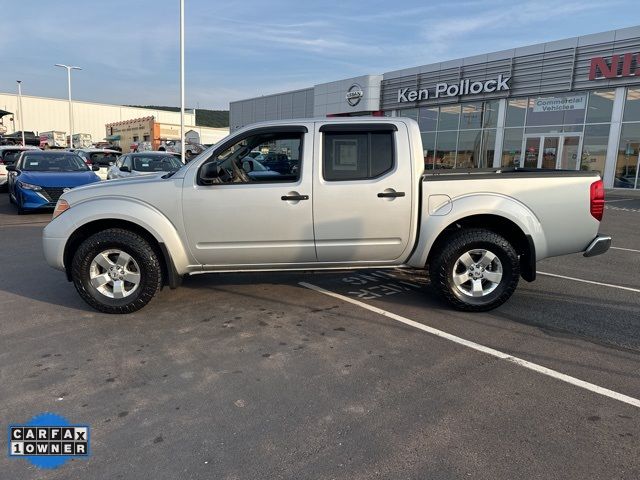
357	155
266	157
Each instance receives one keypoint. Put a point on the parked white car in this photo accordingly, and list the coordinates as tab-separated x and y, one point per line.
143	163
102	157
359	197
8	156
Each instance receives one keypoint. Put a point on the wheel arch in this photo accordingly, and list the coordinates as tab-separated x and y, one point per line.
522	242
169	273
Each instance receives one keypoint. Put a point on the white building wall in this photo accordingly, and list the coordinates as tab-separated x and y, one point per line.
43	114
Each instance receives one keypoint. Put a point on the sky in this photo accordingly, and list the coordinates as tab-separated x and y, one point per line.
129	50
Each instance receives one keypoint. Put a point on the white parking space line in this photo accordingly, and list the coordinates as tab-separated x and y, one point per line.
481	348
625	249
619	200
619	287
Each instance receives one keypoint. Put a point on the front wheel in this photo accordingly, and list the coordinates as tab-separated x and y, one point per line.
116	271
475	269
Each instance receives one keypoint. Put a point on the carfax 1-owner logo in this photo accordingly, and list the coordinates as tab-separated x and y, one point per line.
48	440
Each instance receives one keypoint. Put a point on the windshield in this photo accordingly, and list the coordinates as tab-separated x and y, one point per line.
156	163
53	162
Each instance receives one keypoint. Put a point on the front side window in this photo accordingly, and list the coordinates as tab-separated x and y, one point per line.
357	155
265	157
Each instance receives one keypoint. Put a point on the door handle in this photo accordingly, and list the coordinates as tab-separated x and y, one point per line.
289	198
390	194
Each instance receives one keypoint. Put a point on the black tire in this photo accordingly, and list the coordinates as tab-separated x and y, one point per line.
452	248
138	248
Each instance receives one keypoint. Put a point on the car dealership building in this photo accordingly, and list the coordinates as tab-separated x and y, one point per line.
570	104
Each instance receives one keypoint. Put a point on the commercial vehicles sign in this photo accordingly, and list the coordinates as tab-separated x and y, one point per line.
559	104
444	89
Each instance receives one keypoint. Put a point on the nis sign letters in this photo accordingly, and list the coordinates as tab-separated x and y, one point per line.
615	66
465	87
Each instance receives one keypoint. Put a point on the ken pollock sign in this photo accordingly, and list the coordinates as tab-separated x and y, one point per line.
465	87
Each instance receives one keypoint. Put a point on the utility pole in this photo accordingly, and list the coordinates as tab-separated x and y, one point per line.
69	68
183	147
20	110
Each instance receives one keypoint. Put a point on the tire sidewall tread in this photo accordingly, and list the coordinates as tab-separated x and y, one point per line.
461	241
131	243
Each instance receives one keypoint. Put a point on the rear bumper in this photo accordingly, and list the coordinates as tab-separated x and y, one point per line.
598	246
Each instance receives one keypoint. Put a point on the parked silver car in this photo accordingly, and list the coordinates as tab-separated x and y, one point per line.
143	163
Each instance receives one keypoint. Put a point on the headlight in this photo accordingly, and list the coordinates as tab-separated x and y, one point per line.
29	186
61	206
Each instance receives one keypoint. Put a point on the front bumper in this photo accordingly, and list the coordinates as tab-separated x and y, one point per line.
598	246
33	200
54	251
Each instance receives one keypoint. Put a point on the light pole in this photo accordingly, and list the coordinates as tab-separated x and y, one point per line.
20	109
183	147
69	68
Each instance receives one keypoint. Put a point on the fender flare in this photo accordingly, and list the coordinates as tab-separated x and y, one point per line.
433	224
144	216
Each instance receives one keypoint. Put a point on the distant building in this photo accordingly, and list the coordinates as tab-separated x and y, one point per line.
147	129
41	114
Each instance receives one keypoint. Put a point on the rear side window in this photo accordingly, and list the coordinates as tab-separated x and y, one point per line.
357	155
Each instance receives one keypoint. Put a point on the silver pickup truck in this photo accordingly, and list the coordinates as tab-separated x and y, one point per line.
342	194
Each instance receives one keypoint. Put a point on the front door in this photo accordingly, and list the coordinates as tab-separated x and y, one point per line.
362	193
552	151
247	213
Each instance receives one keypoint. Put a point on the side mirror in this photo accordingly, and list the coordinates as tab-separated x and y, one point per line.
124	168
11	168
95	168
247	166
210	171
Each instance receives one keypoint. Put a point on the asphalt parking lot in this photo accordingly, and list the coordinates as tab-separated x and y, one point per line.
258	376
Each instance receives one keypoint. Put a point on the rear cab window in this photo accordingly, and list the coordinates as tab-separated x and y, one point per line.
357	152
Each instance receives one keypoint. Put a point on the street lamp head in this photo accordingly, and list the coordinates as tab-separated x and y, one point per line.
68	67
19	81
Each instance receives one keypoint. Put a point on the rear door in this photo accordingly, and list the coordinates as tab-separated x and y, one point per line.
245	218
362	192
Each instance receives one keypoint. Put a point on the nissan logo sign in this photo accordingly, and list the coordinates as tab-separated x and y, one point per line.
354	95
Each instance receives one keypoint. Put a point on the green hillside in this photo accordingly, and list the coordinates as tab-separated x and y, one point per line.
204	117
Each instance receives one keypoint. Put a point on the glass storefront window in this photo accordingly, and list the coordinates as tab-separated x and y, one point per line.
632	106
512	147
489	148
594	147
626	175
428	148
428	119
471	116
449	117
446	150
600	106
411	113
469	148
490	117
556	109
516	111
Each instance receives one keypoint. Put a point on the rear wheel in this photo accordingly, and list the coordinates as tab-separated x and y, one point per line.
116	271
475	269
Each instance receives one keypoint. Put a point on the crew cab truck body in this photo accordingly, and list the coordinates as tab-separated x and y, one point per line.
356	196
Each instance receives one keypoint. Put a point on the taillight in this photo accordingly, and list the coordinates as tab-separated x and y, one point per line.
597	200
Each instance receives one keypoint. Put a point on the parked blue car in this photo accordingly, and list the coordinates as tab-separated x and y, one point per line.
39	178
